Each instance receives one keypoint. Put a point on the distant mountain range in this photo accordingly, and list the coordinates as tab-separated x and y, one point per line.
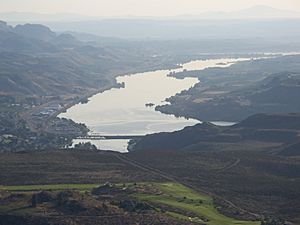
34	60
256	12
256	22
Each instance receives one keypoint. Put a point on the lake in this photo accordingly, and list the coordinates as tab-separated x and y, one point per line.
124	112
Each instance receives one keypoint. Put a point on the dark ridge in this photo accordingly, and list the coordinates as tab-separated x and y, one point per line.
289	121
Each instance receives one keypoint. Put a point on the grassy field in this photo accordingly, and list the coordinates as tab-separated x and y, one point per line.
254	184
177	201
180	197
50	187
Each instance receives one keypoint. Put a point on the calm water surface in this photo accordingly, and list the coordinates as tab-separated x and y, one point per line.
124	112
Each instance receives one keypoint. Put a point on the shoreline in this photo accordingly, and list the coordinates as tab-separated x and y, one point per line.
113	83
39	128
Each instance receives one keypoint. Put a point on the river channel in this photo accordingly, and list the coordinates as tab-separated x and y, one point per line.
131	110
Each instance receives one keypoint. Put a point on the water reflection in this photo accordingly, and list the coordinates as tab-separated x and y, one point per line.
124	111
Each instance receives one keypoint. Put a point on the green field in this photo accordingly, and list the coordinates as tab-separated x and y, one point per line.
180	197
50	187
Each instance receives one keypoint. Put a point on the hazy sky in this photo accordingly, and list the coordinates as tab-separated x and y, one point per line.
109	8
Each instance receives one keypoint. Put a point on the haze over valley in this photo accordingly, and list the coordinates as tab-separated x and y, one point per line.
150	112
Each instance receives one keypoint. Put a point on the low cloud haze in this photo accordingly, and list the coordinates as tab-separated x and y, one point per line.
155	8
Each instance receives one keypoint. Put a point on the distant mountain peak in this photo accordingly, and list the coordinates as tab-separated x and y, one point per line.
254	12
262	7
269	11
35	31
4	26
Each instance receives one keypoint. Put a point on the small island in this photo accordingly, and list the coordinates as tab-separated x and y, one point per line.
149	105
222	64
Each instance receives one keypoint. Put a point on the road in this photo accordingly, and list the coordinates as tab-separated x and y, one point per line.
109	137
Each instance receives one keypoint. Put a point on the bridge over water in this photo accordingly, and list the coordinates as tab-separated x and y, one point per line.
108	137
